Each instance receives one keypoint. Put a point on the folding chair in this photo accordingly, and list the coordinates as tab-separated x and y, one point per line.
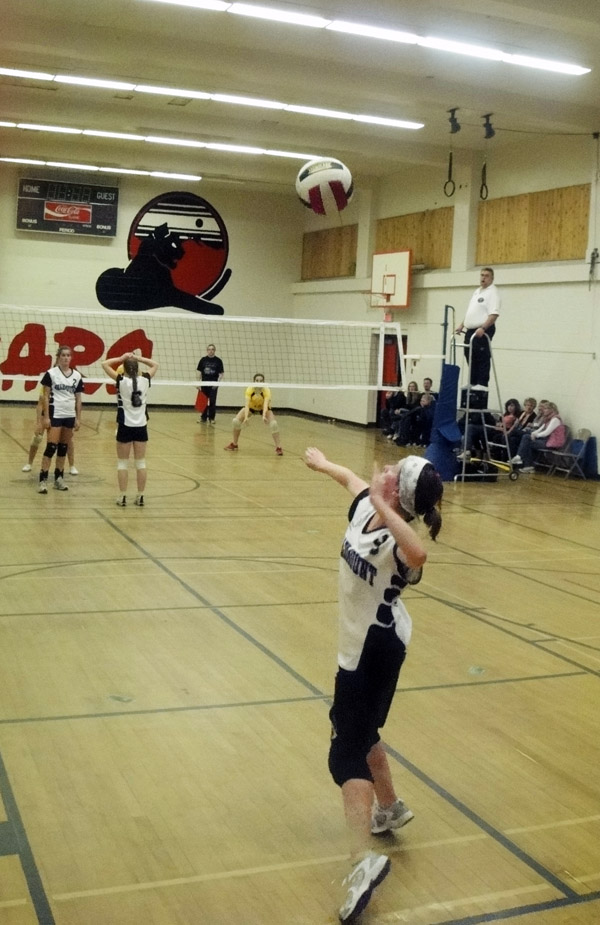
544	458
571	458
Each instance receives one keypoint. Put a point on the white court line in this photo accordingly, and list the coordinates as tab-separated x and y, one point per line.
12	903
559	643
555	824
406	915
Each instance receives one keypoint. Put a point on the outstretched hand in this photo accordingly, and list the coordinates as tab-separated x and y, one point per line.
314	458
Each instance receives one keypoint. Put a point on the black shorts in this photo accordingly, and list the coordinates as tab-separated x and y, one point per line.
63	422
127	434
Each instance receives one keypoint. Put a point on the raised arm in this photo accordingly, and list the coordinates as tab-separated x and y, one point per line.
317	460
410	547
151	364
110	366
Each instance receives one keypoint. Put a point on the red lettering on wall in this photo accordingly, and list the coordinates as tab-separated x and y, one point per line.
31	363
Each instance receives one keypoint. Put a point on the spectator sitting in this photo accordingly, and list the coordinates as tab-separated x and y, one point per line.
413	396
410	400
427	383
523	423
414	428
395	402
551	434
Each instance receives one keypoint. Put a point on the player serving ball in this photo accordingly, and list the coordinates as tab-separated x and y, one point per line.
257	400
381	554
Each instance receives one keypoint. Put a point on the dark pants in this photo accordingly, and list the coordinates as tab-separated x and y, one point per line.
478	356
211	409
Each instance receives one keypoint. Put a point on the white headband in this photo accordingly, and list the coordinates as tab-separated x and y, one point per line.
407	481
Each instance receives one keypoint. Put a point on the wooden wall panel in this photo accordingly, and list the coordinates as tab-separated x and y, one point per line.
534	227
330	253
427	234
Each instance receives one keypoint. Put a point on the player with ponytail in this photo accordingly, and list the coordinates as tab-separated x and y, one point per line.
381	554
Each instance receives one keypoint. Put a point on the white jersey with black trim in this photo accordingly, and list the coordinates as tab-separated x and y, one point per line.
371	579
127	413
62	391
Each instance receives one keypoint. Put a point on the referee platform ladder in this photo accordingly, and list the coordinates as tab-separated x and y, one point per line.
484	411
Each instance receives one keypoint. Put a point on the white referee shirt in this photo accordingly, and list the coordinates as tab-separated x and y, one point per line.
371	579
483	302
127	414
62	391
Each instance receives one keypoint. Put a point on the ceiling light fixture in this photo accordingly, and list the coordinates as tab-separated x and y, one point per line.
264	12
92	168
156	139
389	35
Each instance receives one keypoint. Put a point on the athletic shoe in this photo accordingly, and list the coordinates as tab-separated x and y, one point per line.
389	436
466	456
73	471
231	446
279	451
517	461
43	488
528	469
122	501
139	501
59	484
212	423
203	420
26	467
361	881
394	817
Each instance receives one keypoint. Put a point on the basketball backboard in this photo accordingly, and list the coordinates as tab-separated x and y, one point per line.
390	280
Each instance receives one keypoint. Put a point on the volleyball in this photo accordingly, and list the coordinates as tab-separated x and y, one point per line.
324	185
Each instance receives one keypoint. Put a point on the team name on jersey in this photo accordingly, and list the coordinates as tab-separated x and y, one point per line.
359	566
64	386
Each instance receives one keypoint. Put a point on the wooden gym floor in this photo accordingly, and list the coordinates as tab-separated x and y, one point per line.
166	674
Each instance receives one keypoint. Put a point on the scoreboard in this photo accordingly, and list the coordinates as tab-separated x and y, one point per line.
67	208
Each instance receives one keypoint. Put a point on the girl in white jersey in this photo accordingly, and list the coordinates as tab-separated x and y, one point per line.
63	387
132	432
380	555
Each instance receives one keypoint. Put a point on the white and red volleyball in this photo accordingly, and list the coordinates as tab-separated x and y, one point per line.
324	185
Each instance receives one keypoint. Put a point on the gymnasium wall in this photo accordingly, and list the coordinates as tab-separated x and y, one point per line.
548	339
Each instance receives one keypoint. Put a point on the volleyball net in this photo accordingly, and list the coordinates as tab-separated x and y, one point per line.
292	354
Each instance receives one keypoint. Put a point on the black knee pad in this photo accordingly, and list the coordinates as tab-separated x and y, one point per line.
62	449
50	450
347	763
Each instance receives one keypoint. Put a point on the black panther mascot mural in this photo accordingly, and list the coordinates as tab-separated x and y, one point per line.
178	249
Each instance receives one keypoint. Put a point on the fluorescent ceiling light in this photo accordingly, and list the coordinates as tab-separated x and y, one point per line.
49	128
170	91
246	101
93	82
173	176
558	66
292	154
218	5
181	142
95	168
461	48
125	136
393	123
22	160
315	111
263	12
235	149
30	75
373	32
71	166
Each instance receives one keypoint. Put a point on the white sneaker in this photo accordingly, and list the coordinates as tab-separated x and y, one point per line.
43	488
26	467
122	501
139	501
73	471
60	485
394	817
517	461
466	456
361	881
528	469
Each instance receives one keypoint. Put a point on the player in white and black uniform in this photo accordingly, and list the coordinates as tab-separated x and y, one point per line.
380	555
132	417
63	387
